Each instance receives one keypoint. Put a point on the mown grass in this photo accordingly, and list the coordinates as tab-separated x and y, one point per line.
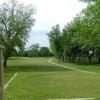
82	66
39	80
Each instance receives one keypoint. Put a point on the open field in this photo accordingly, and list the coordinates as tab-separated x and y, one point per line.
39	80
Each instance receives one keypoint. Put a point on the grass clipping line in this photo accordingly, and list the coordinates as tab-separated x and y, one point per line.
7	84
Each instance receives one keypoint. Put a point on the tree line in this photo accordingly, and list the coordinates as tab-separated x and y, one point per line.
80	38
33	51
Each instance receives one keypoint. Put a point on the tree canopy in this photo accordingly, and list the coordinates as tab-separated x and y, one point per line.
34	51
16	21
81	36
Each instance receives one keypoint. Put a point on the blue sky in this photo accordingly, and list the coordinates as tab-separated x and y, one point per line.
48	14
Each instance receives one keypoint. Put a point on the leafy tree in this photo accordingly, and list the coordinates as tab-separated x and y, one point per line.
35	46
90	33
70	41
21	53
82	35
34	50
55	41
44	52
16	21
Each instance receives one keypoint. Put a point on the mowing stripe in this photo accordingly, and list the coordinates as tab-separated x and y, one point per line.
70	67
10	80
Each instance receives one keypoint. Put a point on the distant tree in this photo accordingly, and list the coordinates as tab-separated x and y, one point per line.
44	52
35	46
16	21
34	50
20	53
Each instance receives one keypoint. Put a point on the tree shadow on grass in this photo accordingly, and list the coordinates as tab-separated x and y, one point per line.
36	68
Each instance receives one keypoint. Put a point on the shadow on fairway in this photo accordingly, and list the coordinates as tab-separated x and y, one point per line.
36	68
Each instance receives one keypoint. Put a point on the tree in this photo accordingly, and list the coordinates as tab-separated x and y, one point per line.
35	46
81	37
90	28
16	21
34	50
55	41
44	52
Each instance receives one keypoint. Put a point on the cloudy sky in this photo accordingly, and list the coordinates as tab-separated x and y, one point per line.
50	13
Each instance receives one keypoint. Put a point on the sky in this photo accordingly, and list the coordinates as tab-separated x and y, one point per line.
49	13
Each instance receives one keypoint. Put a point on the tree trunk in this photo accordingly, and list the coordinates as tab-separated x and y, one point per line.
63	59
90	59
5	62
99	60
79	57
73	58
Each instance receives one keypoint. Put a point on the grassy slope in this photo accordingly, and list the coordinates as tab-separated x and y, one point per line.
39	80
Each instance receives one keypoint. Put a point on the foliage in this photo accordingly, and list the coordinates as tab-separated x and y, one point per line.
16	21
55	40
80	36
44	52
35	51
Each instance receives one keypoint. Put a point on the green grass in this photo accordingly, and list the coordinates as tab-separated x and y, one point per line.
39	80
81	66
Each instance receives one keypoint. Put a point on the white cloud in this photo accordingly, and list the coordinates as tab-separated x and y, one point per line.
51	12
